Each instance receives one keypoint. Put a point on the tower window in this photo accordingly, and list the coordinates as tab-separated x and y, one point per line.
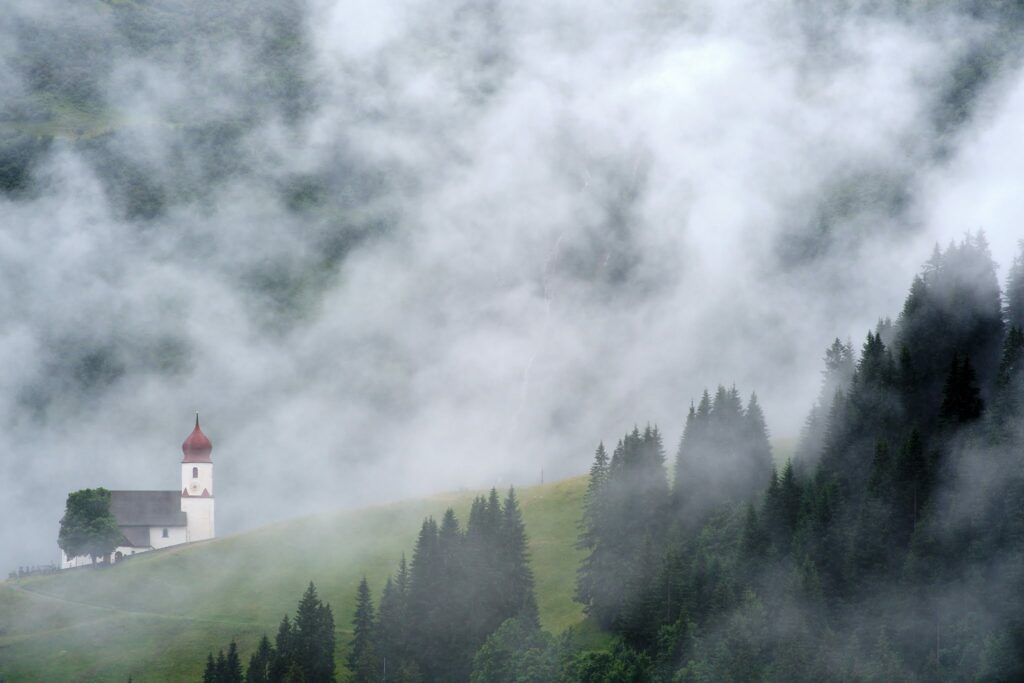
165	533
195	472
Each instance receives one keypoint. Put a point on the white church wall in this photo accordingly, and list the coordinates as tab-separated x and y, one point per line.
68	563
200	518
175	535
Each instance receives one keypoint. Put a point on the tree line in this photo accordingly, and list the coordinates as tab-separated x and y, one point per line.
433	615
302	651
887	549
436	612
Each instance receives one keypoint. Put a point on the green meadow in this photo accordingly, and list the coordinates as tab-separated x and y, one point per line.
156	616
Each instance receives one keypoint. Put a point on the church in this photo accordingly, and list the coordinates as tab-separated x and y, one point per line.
150	520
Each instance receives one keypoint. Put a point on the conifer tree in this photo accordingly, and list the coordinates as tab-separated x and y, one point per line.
220	668
232	665
393	620
313	637
790	496
591	499
754	540
1009	388
284	651
426	575
1014	310
362	655
961	397
756	447
772	516
590	525
679	471
260	663
210	672
517	577
912	481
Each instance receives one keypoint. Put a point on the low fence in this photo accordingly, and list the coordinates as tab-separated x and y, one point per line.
34	570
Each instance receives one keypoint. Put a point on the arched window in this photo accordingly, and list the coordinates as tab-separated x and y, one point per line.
165	533
195	472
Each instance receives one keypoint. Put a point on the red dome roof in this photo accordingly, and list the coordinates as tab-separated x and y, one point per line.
197	447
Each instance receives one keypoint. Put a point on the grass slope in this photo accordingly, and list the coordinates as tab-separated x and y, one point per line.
156	616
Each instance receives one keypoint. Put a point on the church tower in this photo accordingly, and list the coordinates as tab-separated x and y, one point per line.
197	485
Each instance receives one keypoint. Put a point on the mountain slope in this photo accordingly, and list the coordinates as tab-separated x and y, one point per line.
156	616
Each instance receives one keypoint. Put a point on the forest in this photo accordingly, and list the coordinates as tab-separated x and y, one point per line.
888	548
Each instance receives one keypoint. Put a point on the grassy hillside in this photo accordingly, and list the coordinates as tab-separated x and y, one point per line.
156	616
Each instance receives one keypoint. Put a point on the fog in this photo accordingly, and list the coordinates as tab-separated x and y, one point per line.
464	241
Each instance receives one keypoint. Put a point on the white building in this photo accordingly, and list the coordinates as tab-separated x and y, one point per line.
158	519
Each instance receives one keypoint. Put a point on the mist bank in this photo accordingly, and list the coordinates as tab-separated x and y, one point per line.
447	245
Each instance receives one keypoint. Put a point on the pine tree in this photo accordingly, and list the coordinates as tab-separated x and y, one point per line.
391	624
454	633
912	484
220	668
791	497
326	641
260	663
591	570
232	665
1014	310
880	482
757	448
284	651
362	653
425	578
591	499
1006	402
679	471
961	397
772	516
754	540
313	637
517	577
210	672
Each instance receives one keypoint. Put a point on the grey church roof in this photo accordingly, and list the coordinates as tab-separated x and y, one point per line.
137	536
147	508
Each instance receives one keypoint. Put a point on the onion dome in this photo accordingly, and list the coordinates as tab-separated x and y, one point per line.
197	447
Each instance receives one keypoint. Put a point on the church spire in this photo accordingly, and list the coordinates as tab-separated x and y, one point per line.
197	447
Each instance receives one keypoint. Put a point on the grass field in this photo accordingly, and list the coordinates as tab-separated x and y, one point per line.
156	616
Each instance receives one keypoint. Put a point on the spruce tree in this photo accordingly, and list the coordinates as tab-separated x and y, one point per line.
362	655
425	578
679	470
961	397
791	496
591	499
590	526
220	668
232	665
313	637
210	672
517	577
393	627
911	484
756	447
260	663
284	651
754	539
326	642
1006	400
1014	311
